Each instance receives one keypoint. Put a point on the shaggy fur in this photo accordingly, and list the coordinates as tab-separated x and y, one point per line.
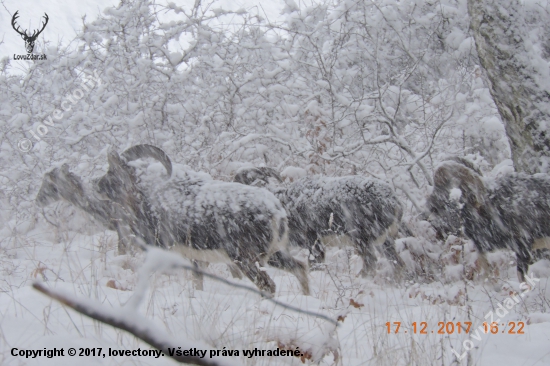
513	212
206	220
365	210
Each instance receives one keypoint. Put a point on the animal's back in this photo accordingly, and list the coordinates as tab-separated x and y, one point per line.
523	201
209	214
353	202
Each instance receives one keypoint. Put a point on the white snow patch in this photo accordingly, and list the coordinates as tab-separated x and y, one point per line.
455	194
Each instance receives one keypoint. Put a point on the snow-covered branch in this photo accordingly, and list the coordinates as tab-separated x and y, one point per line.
134	323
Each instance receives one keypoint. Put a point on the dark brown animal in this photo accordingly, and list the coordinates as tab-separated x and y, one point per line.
513	212
204	219
365	211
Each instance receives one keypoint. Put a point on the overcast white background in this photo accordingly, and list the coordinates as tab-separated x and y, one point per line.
65	19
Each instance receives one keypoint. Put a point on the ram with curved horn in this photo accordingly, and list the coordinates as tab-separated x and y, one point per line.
205	219
443	211
61	184
511	212
120	186
366	211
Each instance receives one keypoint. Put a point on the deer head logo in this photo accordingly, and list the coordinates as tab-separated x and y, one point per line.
29	39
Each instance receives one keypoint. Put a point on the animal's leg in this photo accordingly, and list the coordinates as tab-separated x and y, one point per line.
522	266
256	275
391	253
198	277
235	271
125	236
318	253
122	244
366	251
283	260
484	266
485	271
316	250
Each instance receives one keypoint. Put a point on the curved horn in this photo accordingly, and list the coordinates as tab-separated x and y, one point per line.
452	174
148	151
467	163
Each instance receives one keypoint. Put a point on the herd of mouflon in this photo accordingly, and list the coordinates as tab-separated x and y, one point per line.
256	220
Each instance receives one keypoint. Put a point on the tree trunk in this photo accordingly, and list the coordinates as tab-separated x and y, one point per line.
518	79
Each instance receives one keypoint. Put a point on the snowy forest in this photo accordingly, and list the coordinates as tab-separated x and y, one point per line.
440	107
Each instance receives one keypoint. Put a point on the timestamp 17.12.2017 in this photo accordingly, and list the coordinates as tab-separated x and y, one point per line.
458	327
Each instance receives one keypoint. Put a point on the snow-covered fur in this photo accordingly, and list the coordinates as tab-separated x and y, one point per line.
365	210
120	186
443	204
207	220
511	212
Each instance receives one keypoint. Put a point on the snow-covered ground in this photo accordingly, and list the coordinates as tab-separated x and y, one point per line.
222	316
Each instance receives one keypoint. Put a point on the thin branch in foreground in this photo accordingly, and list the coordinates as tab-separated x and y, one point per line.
134	323
161	260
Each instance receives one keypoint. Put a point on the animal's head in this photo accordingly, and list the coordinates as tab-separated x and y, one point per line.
458	186
119	184
28	38
58	184
256	176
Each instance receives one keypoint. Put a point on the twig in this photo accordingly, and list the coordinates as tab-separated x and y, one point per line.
131	322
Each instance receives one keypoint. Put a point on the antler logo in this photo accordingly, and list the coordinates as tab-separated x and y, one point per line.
29	39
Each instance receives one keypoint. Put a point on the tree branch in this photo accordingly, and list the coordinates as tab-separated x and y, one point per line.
132	322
